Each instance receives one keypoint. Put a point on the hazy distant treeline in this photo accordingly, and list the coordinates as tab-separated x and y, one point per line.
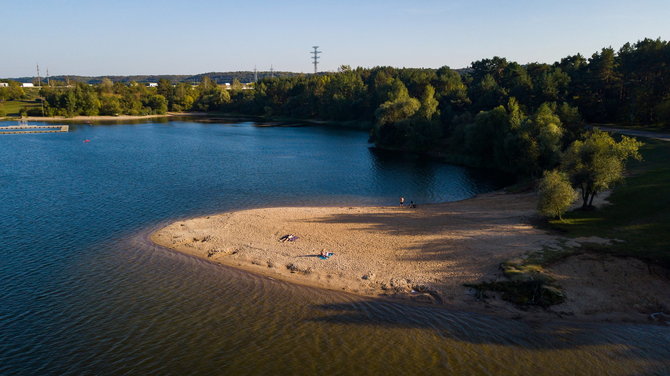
218	77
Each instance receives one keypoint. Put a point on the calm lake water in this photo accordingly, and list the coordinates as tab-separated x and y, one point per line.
84	293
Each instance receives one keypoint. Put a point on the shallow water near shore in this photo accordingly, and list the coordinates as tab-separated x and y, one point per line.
85	292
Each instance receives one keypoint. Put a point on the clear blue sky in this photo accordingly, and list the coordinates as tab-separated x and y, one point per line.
91	37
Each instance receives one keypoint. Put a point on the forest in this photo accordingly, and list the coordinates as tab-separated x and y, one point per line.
496	113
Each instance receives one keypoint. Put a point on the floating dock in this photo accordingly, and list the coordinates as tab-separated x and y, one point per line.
18	129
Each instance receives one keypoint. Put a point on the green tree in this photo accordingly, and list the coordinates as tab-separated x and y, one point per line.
555	194
106	86
110	105
13	92
548	131
206	84
212	99
236	85
572	122
69	103
89	103
428	103
157	103
397	110
597	162
166	89
398	107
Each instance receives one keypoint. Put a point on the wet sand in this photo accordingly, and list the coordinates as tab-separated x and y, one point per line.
425	254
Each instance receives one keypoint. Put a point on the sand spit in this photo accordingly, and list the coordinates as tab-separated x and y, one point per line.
425	254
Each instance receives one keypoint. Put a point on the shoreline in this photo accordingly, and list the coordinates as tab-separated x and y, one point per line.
422	255
107	117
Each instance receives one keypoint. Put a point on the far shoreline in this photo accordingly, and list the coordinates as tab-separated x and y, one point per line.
106	117
262	121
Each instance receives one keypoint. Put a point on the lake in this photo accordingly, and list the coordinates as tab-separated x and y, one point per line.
84	291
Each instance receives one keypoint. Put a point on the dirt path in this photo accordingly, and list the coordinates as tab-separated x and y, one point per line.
637	133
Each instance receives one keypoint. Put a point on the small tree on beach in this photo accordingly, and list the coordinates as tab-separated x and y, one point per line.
597	161
556	194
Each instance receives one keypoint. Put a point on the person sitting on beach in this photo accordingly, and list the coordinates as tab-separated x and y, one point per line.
288	238
324	253
412	205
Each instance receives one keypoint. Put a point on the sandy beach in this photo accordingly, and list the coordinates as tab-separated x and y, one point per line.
425	254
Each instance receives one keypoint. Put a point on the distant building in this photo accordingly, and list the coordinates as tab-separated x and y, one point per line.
27	84
152	84
4	84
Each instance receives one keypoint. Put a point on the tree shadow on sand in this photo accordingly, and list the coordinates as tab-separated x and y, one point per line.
457	241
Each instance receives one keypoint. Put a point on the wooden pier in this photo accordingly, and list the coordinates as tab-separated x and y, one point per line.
18	129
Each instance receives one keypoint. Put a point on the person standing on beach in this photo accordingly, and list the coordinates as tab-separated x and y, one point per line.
402	201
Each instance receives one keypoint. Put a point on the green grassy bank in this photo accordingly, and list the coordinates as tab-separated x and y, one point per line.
639	216
13	108
640	210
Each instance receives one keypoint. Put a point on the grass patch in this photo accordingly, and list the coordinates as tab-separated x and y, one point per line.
528	283
639	214
524	293
12	108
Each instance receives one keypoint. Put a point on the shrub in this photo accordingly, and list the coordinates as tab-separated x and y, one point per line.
556	194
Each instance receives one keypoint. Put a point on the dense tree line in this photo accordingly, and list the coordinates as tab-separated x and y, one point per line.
500	114
107	98
630	86
117	98
410	105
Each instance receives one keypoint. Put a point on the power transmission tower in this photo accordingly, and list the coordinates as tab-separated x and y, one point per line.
39	83
272	72
255	75
315	57
48	82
